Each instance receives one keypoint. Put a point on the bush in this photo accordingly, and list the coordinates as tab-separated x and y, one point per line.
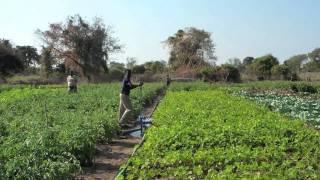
294	77
207	74
9	64
116	74
305	88
138	69
262	66
280	72
231	73
227	73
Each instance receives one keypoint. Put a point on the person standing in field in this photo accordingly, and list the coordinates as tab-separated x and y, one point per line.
125	106
72	83
168	80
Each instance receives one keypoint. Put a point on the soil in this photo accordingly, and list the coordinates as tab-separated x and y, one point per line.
110	156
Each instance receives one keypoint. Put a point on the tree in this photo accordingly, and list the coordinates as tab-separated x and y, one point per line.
138	69
9	63
247	61
131	62
281	72
246	64
5	43
294	62
191	47
236	62
46	61
230	73
116	65
262	66
225	72
80	45
315	55
312	66
28	55
116	70
155	66
60	68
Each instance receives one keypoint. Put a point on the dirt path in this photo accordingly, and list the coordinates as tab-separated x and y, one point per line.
110	156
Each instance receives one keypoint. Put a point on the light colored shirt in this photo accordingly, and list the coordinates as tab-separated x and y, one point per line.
72	81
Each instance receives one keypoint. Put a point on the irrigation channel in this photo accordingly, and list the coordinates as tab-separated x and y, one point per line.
110	156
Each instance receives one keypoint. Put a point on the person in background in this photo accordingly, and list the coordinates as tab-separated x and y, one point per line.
125	106
72	83
168	80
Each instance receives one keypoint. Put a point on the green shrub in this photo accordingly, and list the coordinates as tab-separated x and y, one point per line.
304	88
227	73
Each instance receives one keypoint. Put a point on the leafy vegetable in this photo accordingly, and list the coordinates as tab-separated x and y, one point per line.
213	135
46	133
305	108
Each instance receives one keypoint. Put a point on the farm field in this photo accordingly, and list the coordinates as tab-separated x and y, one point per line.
46	133
306	108
205	132
222	90
200	131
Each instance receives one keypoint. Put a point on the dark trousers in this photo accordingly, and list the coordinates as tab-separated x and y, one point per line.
72	89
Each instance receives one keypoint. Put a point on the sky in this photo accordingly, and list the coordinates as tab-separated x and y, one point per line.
239	28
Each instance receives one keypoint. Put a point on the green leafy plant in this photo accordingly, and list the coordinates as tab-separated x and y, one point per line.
213	135
47	133
305	108
304	88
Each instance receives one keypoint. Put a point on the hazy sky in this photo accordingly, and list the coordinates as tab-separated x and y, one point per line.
239	28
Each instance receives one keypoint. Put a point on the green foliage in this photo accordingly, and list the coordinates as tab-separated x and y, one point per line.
131	62
247	61
46	62
315	55
225	72
28	55
212	135
47	133
230	73
304	88
138	69
265	85
312	66
190	86
294	63
307	109
235	62
262	66
155	66
117	65
116	74
116	70
207	74
9	62
281	72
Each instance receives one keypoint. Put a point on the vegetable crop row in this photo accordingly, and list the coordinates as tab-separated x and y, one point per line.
304	108
213	135
48	134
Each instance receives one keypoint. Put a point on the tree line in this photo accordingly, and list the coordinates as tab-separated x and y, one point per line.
268	67
85	48
192	52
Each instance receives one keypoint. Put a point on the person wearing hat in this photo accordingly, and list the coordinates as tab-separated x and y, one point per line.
125	106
